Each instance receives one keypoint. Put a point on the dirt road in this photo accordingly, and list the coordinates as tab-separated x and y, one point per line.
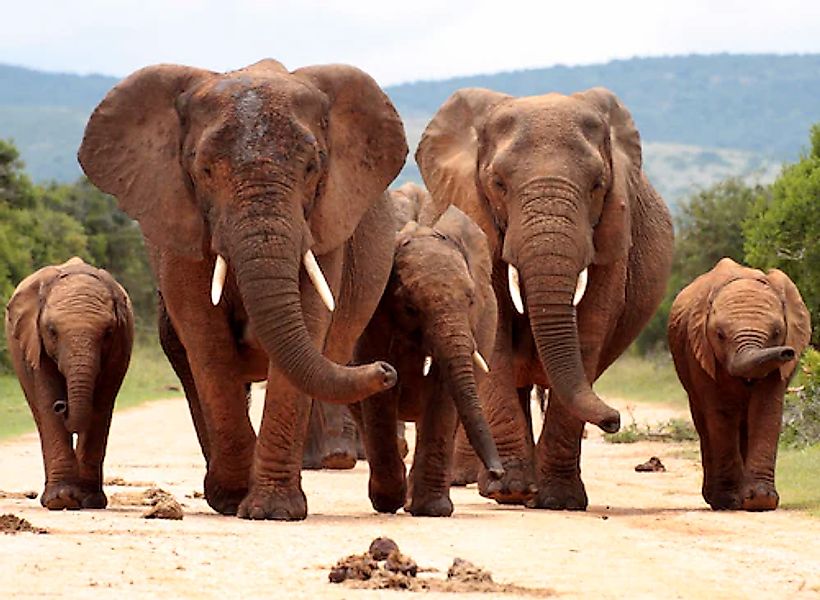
645	535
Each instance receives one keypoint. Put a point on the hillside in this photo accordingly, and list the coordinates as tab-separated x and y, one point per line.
702	118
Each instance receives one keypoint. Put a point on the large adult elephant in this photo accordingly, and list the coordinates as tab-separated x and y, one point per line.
556	184
251	175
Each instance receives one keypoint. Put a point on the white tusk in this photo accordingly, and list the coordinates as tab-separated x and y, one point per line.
428	363
515	288
318	279
218	281
480	362
580	287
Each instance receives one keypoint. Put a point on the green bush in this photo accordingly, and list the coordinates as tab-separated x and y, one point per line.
801	409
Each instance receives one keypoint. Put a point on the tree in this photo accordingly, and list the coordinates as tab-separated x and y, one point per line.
784	230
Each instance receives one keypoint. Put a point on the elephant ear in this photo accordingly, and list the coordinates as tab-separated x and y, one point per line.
123	310
366	146
447	156
131	149
23	313
406	202
612	237
798	321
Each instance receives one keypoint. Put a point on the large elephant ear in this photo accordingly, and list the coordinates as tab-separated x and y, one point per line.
366	146
612	236
131	149
23	313
798	321
447	155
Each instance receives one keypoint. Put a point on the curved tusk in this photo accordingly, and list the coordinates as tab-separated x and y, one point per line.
218	281
428	363
480	362
318	279
580	287
514	282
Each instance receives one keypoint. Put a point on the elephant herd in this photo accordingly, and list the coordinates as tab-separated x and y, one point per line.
534	258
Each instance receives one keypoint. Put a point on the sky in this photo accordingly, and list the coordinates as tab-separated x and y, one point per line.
393	41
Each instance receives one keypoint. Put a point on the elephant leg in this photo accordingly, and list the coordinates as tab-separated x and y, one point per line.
221	384
432	462
401	431
387	485
91	447
62	490
466	463
725	474
558	459
764	417
314	443
339	437
699	420
175	352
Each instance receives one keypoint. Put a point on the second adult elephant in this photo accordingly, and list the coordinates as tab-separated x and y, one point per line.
261	196
582	248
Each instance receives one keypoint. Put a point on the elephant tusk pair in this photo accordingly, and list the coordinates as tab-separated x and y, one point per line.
477	359
311	266
514	281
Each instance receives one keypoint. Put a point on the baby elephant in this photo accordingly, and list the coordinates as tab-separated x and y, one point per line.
435	321
69	330
736	334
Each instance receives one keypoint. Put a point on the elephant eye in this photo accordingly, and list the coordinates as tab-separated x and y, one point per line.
52	331
499	184
721	335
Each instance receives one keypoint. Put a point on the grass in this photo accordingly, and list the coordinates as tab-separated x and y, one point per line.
673	430
798	479
650	380
149	377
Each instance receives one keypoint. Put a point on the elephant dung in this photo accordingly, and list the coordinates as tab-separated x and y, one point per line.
381	547
13	524
653	465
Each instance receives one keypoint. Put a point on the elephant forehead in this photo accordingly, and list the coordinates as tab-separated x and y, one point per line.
549	114
752	296
431	268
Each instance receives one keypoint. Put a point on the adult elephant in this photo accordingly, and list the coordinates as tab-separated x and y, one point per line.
557	186
249	175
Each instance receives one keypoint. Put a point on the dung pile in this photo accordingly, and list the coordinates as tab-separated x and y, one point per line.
653	465
162	505
13	524
383	566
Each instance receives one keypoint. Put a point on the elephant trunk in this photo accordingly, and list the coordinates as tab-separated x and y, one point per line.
756	363
81	377
266	253
454	352
550	268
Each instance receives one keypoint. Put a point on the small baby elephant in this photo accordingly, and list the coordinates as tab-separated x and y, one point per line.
435	321
735	335
70	329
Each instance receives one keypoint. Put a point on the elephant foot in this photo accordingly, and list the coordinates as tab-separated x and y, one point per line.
464	474
723	500
341	455
223	497
273	504
387	498
516	486
560	494
430	506
71	496
759	497
312	461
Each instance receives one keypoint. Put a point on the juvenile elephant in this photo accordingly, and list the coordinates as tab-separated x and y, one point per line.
436	318
69	330
581	247
736	335
274	182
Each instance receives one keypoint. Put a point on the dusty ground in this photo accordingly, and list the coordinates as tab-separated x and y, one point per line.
646	535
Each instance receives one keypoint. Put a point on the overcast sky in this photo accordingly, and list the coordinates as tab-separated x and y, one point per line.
393	41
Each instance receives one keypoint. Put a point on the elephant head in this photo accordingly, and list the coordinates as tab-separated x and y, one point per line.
552	181
69	314
752	323
262	168
442	297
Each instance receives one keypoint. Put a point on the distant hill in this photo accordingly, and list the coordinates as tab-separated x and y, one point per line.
702	118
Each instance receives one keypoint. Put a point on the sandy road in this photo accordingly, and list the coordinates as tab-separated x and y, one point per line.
644	536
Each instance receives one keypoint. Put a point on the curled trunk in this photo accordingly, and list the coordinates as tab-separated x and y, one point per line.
266	254
756	363
550	267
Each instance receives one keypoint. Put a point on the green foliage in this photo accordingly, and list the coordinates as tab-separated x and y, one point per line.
673	430
650	378
784	231
709	226
43	225
797	480
801	408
